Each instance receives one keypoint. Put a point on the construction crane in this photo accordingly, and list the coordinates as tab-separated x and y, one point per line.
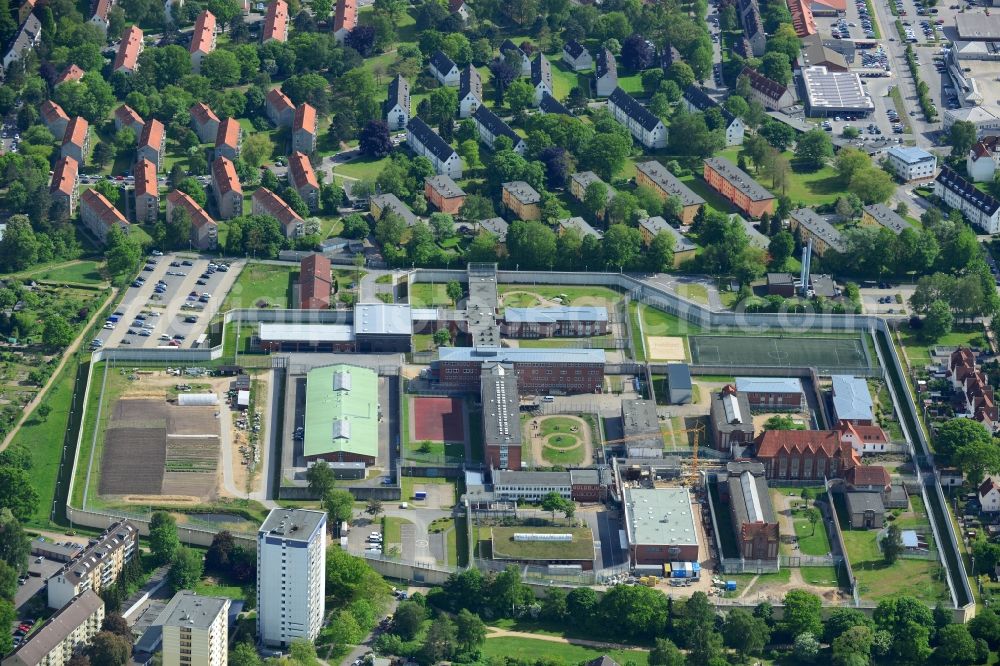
697	430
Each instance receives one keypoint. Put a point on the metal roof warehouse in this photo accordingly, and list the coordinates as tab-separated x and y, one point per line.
342	414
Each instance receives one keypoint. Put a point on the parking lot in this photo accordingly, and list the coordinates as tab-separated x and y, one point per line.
855	24
170	304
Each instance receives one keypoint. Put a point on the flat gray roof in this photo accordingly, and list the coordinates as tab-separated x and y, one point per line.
501	411
769	385
660	516
977	26
509	477
861	502
557	313
851	398
188	609
382	319
678	376
521	355
307	332
293	524
835	90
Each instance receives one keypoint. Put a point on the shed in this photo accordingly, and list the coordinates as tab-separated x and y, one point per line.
197	399
866	510
243	399
679	385
910	539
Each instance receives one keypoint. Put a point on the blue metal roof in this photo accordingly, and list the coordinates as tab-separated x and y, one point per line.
851	398
520	355
768	384
678	376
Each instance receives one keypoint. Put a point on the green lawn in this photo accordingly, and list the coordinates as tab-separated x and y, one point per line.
918	351
423	342
213	587
804	187
82	272
638	342
658	322
429	294
434	452
631	84
821	576
530	649
599	296
713	199
564	79
362	168
693	292
392	529
565	444
812	540
261	284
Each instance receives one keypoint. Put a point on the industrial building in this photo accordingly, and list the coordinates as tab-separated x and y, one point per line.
865	510
772	394
273	337
659	526
538	370
342	414
831	93
679	385
562	549
753	516
730	419
291	576
501	416
580	485
641	429
382	327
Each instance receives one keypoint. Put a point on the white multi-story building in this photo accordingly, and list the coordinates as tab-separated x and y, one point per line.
101	563
979	208
910	163
424	141
291	576
67	632
644	126
195	630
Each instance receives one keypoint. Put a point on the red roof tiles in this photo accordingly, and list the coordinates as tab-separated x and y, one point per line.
203	38
275	206
276	21
64	176
202	113
301	171
346	16
224	177
305	118
152	135
315	282
129	49
145	178
103	208
71	73
76	132
199	217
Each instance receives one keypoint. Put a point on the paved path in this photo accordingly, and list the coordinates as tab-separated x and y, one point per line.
493	632
66	355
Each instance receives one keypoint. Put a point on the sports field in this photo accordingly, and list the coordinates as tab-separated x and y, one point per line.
778	351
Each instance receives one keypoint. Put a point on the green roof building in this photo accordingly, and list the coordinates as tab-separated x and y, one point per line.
342	414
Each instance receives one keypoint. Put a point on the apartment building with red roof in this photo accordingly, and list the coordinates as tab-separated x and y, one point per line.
304	129
315	283
101	12
147	192
302	178
202	39
345	19
99	215
126	116
226	188
76	140
805	454
229	139
71	73
205	122
204	230
279	108
276	22
127	58
152	142
266	202
54	117
65	186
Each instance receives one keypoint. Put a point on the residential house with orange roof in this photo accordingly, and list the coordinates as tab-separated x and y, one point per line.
266	202
205	122
276	22
279	108
315	283
126	116
869	479
828	7
802	17
101	14
204	230
226	188
76	140
302	178
229	139
54	117
304	129
989	495
976	399
127	58
65	186
202	39
147	192
805	454
864	438
152	142
99	215
71	73
345	19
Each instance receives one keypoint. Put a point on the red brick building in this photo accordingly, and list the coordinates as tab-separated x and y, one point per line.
772	394
537	370
444	194
315	283
753	518
805	454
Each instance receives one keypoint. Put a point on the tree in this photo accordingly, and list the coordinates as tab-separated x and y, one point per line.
373	507
952	435
163	539
470	631
955	646
122	254
108	649
938	321
408	619
14	544
605	154
976	458
222	68
622	247
777	67
57	332
256	149
217	557
660	253
553	502
690	136
339	504
244	654
531	244
848	162
19	247
637	53
186	570
519	95
781	247
986	626
595	198
116	624
665	653
17	493
554	604
813	149
806	647
320	478
362	39
813	515
8	581
455	291
872	185
853	647
802	614
7	616
961	136
745	633
441	337
439	643
375	140
892	544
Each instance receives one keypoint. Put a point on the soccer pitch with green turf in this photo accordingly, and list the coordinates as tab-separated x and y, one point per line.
779	351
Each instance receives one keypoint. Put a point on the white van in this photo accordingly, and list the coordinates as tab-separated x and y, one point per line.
548	398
